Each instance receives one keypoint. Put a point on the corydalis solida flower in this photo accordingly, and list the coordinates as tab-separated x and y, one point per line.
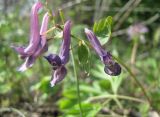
58	62
37	43
111	67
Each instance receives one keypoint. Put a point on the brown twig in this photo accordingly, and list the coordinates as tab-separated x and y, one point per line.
117	9
5	109
151	19
126	14
72	3
134	51
123	9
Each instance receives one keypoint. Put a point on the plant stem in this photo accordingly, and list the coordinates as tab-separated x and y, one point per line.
5	109
135	79
134	52
74	36
133	60
102	106
77	83
115	96
118	103
59	27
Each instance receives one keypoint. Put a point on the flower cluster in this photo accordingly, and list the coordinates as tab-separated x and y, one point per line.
38	45
58	61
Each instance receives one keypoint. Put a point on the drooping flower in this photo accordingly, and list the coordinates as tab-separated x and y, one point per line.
37	43
111	67
58	62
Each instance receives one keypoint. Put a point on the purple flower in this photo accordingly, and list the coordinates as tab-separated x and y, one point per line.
111	67
54	60
58	61
137	31
37	43
58	75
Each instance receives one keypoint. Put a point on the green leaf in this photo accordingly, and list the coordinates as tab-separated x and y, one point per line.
62	15
70	93
89	110
84	57
156	37
66	103
105	84
102	29
83	53
86	89
144	109
5	88
44	86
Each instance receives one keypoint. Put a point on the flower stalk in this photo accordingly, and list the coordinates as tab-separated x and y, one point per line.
77	84
135	79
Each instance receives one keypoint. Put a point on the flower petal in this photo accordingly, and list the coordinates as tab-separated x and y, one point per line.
42	46
113	69
58	75
136	30
27	64
43	29
34	34
95	42
54	60
64	51
19	50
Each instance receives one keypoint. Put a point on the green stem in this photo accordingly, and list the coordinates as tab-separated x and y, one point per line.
134	77
103	105
73	36
118	103
134	52
114	97
77	83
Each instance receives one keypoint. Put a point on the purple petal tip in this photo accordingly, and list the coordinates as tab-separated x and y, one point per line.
113	70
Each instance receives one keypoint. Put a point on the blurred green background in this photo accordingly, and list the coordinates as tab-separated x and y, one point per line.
101	95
